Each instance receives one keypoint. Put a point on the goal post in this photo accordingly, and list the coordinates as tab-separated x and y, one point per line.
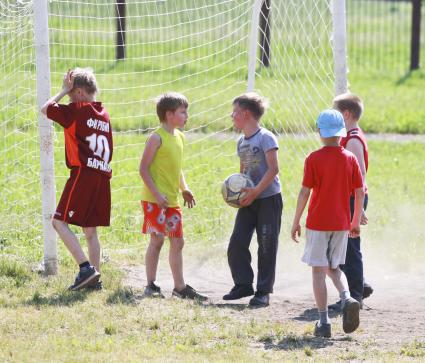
46	134
338	41
339	45
253	44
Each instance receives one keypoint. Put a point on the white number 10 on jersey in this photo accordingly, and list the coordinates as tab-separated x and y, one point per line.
99	145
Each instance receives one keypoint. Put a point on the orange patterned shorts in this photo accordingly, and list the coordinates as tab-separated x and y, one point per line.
168	222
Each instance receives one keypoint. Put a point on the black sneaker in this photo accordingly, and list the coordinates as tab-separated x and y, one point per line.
350	315
153	290
238	292
260	300
86	275
189	293
323	330
367	290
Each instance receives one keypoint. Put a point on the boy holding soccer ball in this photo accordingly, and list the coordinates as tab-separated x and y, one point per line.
332	173
261	205
86	198
161	172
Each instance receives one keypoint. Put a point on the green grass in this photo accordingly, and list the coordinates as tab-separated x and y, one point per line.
415	350
125	331
117	325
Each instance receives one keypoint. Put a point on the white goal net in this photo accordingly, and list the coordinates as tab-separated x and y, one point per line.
197	47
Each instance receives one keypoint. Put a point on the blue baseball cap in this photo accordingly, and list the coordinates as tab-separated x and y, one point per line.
331	123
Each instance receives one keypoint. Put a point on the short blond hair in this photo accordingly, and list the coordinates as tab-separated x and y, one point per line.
349	102
85	78
252	102
169	101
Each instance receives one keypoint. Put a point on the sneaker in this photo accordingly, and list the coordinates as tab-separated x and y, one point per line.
95	286
189	293
337	307
367	290
238	292
153	290
323	330
85	276
350	315
260	300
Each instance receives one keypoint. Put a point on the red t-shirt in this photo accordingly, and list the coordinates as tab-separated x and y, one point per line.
357	133
88	134
332	173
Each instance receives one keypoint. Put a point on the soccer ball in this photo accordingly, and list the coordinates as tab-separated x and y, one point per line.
231	188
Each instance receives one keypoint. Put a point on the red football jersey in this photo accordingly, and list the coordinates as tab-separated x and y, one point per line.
332	173
88	134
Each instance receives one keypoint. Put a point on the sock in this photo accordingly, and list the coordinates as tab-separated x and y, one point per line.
324	317
84	264
344	295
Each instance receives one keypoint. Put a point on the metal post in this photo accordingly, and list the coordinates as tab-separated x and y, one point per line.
339	45
253	42
415	49
47	171
265	33
120	7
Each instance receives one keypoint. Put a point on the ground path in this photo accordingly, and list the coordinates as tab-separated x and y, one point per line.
393	316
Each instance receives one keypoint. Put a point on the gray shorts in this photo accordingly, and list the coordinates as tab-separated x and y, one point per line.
325	248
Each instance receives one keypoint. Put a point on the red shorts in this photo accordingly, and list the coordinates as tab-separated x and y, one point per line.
167	222
86	199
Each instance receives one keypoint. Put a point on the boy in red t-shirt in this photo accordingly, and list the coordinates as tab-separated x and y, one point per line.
86	198
332	173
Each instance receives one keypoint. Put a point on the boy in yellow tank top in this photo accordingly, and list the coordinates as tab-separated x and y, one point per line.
163	179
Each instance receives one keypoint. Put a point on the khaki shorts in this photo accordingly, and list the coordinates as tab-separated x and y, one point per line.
325	248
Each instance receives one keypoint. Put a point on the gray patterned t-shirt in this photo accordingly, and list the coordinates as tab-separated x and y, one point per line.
252	152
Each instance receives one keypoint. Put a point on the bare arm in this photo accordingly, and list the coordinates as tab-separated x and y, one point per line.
358	208
183	184
303	196
272	171
67	85
188	197
152	145
356	147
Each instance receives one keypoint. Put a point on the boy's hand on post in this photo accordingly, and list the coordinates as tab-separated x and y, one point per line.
189	199
68	81
354	230
162	201
363	219
249	197
296	232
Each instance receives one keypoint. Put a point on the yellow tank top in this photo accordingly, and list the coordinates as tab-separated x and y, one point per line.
166	167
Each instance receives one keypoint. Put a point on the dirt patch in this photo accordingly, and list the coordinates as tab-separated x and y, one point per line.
392	317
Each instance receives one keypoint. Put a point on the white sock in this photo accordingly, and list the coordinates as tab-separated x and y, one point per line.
344	295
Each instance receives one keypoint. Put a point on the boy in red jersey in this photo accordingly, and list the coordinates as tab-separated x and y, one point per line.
86	198
351	107
333	173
